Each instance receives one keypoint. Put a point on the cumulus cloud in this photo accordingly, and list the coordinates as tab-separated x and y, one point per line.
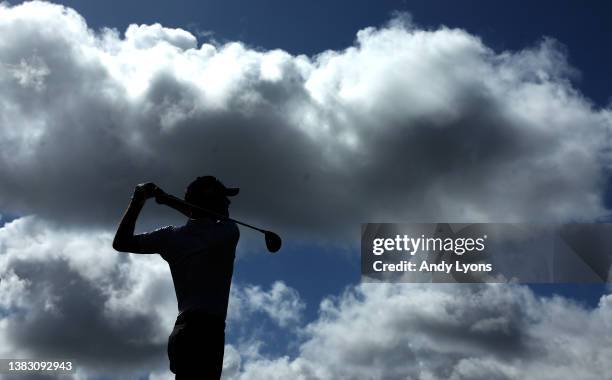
114	317
405	124
68	294
281	303
65	294
30	73
425	332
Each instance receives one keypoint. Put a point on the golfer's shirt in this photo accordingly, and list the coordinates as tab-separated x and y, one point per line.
201	257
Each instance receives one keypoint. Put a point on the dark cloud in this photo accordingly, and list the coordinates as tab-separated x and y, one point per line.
73	324
66	295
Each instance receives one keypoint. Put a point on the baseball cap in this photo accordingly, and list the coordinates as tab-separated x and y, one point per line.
210	186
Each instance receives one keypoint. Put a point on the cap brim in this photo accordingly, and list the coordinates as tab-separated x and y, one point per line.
231	191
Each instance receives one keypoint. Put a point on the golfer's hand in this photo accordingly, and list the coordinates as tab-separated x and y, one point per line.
159	195
145	191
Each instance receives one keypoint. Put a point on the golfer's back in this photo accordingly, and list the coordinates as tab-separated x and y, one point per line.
201	258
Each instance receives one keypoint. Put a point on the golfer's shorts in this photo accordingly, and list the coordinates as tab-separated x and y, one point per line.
195	346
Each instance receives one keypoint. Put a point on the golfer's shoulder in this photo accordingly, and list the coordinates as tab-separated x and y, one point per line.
221	229
161	231
155	241
229	228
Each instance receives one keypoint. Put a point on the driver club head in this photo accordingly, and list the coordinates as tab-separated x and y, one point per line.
273	241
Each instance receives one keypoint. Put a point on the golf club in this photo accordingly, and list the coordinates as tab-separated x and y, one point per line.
273	241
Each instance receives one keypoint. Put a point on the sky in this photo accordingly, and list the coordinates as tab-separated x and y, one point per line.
327	116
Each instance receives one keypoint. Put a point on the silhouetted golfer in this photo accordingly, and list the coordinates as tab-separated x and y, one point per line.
201	257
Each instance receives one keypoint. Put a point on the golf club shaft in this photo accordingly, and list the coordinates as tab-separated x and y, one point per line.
184	208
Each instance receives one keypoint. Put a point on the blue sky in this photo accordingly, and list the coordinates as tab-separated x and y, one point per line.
316	152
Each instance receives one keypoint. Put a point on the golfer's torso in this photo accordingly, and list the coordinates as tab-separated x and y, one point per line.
202	264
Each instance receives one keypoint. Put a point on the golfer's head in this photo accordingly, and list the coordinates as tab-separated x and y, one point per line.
209	193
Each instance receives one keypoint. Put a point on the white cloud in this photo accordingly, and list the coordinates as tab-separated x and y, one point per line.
435	331
61	285
30	73
281	303
48	294
145	37
65	286
405	124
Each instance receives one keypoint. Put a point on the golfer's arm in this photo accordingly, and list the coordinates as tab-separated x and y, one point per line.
186	208
124	237
175	203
